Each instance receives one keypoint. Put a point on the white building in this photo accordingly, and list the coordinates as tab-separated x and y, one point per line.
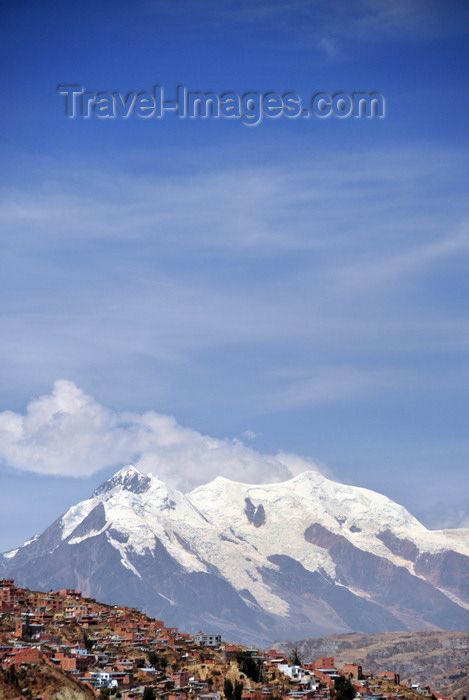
208	640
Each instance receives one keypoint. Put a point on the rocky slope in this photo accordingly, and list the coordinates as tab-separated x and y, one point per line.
41	680
440	659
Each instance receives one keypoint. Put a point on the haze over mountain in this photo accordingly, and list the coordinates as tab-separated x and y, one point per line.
442	516
305	557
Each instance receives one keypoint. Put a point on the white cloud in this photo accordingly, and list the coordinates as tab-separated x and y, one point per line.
69	433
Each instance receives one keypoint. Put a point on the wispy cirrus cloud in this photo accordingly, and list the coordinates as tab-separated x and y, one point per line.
348	197
335	28
356	261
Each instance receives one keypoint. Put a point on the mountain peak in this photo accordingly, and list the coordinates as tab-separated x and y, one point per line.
128	479
303	557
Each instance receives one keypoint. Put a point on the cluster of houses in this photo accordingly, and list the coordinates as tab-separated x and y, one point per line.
122	651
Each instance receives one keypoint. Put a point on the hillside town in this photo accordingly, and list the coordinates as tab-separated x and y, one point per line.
55	639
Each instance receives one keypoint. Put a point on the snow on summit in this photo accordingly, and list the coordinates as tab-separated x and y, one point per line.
306	556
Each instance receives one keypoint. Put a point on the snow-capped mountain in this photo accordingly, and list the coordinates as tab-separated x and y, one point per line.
305	557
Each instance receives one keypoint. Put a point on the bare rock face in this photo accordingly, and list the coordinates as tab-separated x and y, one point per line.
255	515
447	570
302	558
393	587
402	547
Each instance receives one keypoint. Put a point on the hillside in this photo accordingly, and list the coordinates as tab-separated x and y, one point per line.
59	645
41	680
439	659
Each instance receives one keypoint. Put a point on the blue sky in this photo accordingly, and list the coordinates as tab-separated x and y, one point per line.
201	296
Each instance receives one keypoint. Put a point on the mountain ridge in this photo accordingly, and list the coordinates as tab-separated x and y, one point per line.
304	557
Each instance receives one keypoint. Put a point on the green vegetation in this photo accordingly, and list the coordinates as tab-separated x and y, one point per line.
228	689
87	642
295	657
249	666
238	690
232	692
344	690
